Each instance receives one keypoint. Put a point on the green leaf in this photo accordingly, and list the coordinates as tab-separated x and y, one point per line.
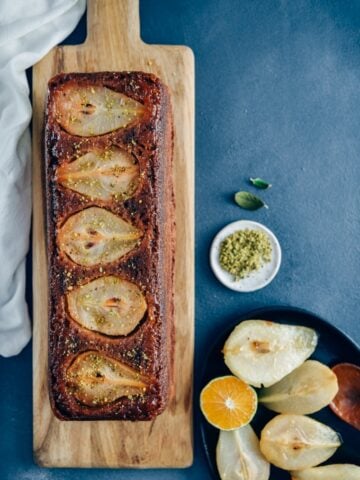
260	183
249	201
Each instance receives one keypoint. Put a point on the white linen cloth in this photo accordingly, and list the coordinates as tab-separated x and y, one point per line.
28	30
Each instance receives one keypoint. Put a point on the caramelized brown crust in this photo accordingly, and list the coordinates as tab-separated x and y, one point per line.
150	265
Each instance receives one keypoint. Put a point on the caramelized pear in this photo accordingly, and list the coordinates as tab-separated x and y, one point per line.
305	390
94	110
238	456
346	404
101	174
95	236
96	379
296	442
261	353
340	471
107	305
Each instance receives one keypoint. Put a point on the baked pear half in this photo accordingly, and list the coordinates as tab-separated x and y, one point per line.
338	471
109	305
104	175
261	352
296	442
96	379
238	456
97	236
305	390
92	110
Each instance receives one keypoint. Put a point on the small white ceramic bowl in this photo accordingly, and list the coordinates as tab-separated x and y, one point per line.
255	280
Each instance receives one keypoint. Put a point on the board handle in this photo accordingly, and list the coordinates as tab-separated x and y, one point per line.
118	19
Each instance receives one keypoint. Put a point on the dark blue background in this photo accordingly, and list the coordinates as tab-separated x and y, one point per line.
277	96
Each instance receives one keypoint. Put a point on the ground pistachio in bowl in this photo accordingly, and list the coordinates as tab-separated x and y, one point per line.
245	256
244	252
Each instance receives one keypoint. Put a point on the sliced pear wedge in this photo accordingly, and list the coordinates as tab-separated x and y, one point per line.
261	353
296	442
107	305
238	456
96	379
305	390
92	110
329	472
95	236
104	175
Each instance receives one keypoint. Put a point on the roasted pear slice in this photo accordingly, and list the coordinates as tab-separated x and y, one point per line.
95	236
346	404
103	175
339	471
96	379
296	442
107	305
94	110
238	456
261	353
305	390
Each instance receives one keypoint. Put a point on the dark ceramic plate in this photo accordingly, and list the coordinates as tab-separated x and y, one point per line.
333	347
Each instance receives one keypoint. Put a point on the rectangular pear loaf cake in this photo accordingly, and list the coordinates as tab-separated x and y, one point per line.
110	243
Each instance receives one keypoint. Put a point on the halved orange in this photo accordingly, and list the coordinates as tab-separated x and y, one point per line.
228	403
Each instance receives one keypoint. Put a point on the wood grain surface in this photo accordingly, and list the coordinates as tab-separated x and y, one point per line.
114	44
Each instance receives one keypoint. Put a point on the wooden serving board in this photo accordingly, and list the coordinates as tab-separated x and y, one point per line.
114	44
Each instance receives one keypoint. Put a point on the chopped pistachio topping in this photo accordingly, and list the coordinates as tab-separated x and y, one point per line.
244	252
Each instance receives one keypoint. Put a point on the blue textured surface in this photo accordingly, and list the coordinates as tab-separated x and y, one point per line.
277	96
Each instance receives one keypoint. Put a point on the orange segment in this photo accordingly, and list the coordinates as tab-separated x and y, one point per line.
228	403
